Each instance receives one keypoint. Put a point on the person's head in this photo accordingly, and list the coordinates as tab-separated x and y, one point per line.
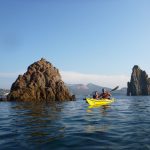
103	90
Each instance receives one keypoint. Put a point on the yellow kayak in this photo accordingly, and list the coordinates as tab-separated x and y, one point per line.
98	102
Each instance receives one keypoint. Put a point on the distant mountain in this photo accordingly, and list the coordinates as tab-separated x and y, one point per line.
122	91
82	89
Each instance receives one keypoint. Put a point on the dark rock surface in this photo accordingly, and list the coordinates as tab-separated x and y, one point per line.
41	82
139	83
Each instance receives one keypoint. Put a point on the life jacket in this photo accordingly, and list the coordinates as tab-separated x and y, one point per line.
105	95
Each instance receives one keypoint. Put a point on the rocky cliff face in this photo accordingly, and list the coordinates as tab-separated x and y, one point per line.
41	82
139	83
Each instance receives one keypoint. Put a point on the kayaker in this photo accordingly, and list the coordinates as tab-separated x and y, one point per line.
105	94
96	95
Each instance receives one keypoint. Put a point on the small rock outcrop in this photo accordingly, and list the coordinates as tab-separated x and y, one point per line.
41	82
139	83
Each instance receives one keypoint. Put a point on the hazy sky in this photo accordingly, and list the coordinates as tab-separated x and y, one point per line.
95	41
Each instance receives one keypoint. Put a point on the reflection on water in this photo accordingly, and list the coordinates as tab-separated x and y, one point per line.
99	126
74	125
39	120
93	128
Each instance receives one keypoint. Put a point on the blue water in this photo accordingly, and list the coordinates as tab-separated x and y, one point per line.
74	126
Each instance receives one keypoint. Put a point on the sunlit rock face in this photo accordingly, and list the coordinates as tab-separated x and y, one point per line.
41	82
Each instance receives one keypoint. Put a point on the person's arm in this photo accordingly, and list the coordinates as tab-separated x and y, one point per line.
100	96
109	94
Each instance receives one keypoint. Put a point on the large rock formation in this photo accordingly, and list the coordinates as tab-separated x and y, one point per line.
41	82
139	83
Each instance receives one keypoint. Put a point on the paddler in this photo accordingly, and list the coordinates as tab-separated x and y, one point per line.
105	94
96	95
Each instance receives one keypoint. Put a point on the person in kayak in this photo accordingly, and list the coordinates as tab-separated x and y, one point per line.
105	94
96	95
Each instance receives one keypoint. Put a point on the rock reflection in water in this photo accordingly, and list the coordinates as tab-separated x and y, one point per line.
40	120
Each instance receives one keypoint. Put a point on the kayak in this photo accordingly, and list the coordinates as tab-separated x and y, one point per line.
92	101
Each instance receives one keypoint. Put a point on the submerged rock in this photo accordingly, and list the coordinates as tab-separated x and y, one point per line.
139	83
41	82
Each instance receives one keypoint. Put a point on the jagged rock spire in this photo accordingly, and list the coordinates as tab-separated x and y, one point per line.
139	83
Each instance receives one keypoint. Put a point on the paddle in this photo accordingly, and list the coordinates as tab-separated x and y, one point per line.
114	89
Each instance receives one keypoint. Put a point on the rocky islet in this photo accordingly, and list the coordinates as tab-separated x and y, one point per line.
41	82
139	83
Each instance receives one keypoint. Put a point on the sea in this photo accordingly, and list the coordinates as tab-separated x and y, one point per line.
73	125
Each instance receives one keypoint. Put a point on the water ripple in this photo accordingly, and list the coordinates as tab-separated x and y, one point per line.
72	125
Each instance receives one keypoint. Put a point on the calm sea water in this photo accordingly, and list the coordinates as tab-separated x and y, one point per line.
74	126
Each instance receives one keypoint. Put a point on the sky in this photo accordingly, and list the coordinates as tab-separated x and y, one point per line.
96	41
